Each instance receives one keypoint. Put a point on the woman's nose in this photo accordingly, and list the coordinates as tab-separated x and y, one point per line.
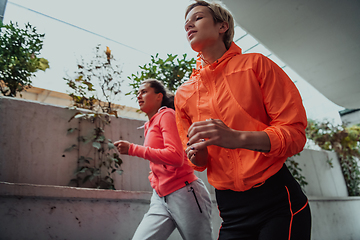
139	96
188	25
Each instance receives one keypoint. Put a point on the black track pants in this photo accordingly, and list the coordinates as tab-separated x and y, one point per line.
276	210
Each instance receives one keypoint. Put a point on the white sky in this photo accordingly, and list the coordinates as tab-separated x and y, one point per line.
149	26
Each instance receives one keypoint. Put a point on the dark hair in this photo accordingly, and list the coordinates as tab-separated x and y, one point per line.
158	86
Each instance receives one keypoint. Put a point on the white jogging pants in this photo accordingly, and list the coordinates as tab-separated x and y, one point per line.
178	210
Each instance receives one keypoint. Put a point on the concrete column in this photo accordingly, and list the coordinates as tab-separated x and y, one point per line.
2	9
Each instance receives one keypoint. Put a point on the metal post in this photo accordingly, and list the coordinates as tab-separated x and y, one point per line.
2	9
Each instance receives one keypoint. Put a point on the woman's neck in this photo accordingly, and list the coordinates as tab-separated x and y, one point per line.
152	113
212	53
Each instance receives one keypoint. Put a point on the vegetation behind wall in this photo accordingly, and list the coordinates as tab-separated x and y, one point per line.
19	50
96	83
345	141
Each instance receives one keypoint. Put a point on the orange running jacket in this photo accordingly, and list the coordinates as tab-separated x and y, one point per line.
248	92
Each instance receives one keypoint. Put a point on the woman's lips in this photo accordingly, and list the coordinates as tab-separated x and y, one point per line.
191	33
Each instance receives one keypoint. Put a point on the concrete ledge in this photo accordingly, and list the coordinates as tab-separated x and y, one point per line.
42	212
50	191
22	204
332	199
59	192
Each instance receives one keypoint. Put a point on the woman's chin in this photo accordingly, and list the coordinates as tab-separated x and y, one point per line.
195	46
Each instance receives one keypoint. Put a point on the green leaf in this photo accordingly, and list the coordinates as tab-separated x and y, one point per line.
96	145
86	178
43	64
69	149
71	130
111	145
100	138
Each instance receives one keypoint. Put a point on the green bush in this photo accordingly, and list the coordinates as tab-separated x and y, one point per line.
343	140
19	50
172	72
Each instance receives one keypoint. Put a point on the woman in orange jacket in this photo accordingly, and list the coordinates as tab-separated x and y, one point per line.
240	117
180	199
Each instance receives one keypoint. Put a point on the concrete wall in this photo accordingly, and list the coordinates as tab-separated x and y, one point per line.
323	180
32	142
63	99
50	212
33	137
351	117
335	218
54	212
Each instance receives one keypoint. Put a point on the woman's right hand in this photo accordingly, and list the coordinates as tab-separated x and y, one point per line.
197	157
122	146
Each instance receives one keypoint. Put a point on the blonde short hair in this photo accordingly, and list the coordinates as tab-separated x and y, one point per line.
219	14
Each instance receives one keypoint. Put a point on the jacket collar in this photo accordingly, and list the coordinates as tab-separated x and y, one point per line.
153	117
232	51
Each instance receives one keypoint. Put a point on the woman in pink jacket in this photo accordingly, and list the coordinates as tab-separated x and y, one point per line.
180	199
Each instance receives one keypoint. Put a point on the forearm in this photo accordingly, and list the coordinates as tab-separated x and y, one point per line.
167	156
257	141
215	132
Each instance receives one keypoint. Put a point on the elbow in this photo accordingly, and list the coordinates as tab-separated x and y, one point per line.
300	141
178	160
179	163
296	146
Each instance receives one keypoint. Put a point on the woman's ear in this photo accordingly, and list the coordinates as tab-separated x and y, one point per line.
224	26
160	96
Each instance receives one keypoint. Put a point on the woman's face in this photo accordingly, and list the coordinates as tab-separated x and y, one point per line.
149	101
201	30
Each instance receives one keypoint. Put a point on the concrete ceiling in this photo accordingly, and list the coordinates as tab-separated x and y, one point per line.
319	39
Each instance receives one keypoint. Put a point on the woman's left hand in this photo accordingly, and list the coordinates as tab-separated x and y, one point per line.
212	132
122	146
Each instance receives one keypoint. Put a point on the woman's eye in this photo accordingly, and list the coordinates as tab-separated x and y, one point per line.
198	18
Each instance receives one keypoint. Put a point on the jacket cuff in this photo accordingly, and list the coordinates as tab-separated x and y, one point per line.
274	142
131	149
196	168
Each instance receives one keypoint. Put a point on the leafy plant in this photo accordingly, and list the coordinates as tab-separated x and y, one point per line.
98	76
345	141
19	50
95	78
172	72
98	169
295	171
